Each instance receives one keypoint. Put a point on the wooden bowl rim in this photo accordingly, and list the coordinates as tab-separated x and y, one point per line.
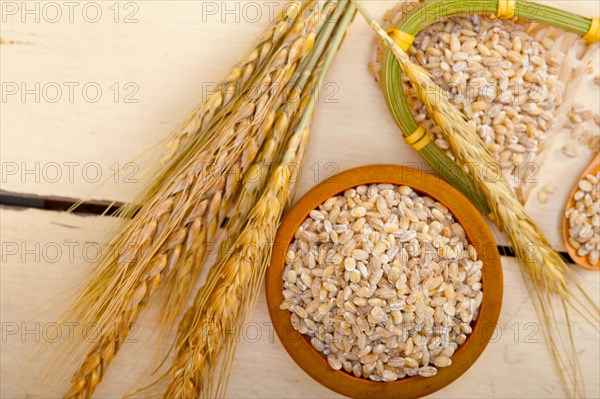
313	362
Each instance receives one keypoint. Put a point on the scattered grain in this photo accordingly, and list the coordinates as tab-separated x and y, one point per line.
569	151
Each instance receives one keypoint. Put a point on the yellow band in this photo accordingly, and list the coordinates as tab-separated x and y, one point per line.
403	40
593	35
506	9
418	139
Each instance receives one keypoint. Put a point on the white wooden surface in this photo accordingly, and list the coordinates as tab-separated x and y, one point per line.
171	55
34	293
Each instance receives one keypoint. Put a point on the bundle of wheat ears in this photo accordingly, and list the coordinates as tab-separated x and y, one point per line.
217	180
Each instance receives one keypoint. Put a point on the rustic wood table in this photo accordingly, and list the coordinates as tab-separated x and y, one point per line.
87	86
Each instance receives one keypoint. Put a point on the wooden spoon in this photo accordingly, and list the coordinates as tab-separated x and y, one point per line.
582	261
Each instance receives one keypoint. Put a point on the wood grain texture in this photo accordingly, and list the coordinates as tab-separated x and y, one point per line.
162	67
35	291
172	55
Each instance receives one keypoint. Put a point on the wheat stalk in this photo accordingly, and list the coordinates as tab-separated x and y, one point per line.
181	212
549	274
233	283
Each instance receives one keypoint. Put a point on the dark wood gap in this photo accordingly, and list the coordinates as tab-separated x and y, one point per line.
508	251
55	203
95	207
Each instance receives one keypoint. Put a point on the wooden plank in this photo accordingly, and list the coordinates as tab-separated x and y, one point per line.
173	62
167	65
36	286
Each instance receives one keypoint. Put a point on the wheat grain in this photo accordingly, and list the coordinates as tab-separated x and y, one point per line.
431	280
512	121
584	219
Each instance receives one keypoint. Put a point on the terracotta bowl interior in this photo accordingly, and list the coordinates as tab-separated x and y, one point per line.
313	362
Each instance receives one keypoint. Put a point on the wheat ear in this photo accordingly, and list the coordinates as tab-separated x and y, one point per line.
287	118
217	102
548	274
151	246
237	78
233	283
249	180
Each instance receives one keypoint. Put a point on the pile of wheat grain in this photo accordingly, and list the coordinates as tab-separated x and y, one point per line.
384	281
500	77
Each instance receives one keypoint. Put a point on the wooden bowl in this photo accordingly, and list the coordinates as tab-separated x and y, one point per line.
315	363
583	261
